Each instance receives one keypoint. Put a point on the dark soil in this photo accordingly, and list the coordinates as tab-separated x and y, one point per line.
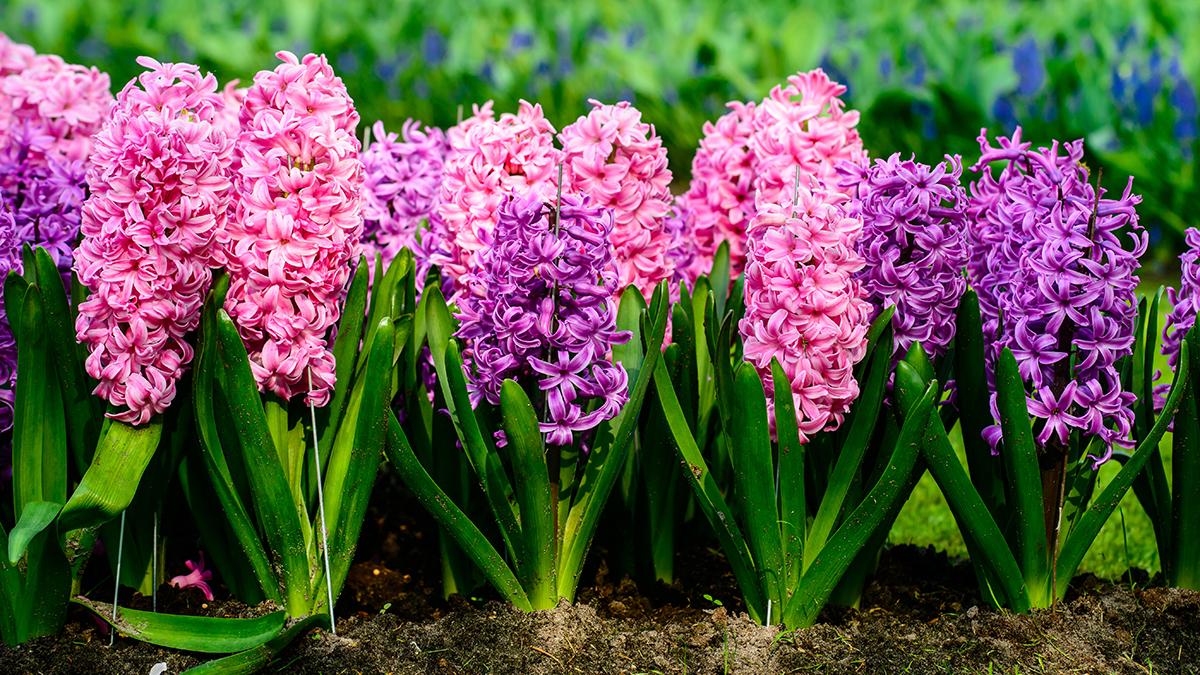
920	615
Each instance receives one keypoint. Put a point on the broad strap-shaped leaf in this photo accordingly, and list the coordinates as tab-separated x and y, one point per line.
720	277
532	479
793	507
35	517
345	352
204	634
1080	539
970	380
455	523
109	485
1184	567
257	658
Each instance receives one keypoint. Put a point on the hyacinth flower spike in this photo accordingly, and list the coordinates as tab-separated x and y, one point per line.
1051	266
542	393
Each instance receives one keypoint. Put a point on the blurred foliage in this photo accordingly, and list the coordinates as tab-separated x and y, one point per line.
927	75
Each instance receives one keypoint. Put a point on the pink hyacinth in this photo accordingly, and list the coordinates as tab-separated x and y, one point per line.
488	160
802	126
297	225
721	194
197	577
160	190
234	96
67	102
618	160
804	306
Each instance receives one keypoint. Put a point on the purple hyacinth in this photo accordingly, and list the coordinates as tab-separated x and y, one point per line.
1185	301
10	260
546	313
1056	285
45	196
400	194
914	244
680	227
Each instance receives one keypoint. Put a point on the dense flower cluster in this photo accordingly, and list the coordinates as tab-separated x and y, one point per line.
1052	275
683	251
160	191
803	127
1185	301
488	160
401	192
297	225
804	305
46	195
233	96
618	160
66	102
721	194
547	313
10	260
913	243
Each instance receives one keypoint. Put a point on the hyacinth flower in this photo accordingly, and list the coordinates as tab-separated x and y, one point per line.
913	245
549	395
10	261
618	160
721	192
401	193
197	577
1173	503
1045	359
800	410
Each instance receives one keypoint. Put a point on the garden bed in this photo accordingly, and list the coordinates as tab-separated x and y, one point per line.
921	614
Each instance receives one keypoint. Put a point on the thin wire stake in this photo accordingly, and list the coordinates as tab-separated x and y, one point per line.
312	410
796	191
154	565
768	623
112	637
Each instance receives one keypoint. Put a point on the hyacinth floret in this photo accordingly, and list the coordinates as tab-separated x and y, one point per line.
297	226
159	194
1185	301
913	243
805	305
1054	264
547	314
619	161
401	193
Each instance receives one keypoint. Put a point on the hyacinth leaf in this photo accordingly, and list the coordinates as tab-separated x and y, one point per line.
345	351
710	499
1021	463
110	483
39	440
203	634
273	501
220	542
604	464
983	537
354	458
15	286
877	509
658	483
258	658
1184	567
456	523
383	302
793	508
34	593
629	314
532	479
1080	538
703	311
860	427
753	473
35	517
1151	485
970	380
209	409
719	277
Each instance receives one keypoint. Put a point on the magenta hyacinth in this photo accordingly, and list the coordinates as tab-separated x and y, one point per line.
618	160
296	229
1185	300
1050	264
401	193
197	577
913	243
67	102
547	314
160	191
721	194
488	160
802	126
804	304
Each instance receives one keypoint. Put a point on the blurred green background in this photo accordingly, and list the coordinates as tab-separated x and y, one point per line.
927	77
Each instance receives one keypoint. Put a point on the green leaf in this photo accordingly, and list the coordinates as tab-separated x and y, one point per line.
793	508
111	481
35	517
532	480
345	351
274	503
1184	567
753	473
455	523
720	276
970	380
1021	463
256	659
1080	539
204	634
